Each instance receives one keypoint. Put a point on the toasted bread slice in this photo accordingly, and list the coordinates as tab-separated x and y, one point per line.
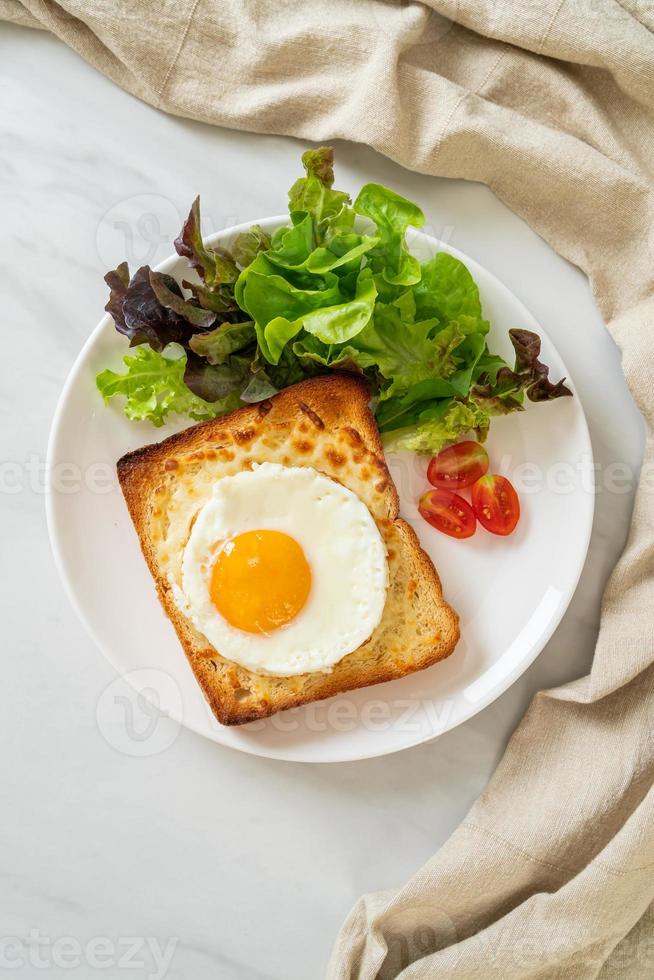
325	423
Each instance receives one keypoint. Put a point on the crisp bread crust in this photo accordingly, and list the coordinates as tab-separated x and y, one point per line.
325	423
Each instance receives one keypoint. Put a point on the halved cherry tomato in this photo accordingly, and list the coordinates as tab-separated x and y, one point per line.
496	504
448	512
458	466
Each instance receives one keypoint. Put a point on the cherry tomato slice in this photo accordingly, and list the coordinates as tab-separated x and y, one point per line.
458	466
496	504
448	512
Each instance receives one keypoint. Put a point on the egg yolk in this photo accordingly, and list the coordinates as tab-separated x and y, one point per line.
260	581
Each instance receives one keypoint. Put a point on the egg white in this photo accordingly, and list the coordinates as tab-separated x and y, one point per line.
342	545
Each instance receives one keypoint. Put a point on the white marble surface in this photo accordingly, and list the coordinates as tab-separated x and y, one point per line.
248	864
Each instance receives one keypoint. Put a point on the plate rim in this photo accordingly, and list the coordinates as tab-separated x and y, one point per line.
57	547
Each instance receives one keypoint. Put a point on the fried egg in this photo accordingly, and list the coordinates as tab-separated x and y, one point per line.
285	571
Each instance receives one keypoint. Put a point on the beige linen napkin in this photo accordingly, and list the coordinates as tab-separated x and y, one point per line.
550	103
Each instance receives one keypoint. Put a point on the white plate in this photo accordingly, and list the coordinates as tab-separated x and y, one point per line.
510	593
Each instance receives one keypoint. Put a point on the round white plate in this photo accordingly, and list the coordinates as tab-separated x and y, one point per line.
510	593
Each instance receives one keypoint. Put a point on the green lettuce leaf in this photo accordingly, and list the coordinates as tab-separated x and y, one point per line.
392	215
447	291
341	254
265	293
216	345
342	357
282	303
314	196
153	386
333	324
248	244
293	249
402	410
292	244
407	352
443	424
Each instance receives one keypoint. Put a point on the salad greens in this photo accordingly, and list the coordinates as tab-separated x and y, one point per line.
335	289
154	385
